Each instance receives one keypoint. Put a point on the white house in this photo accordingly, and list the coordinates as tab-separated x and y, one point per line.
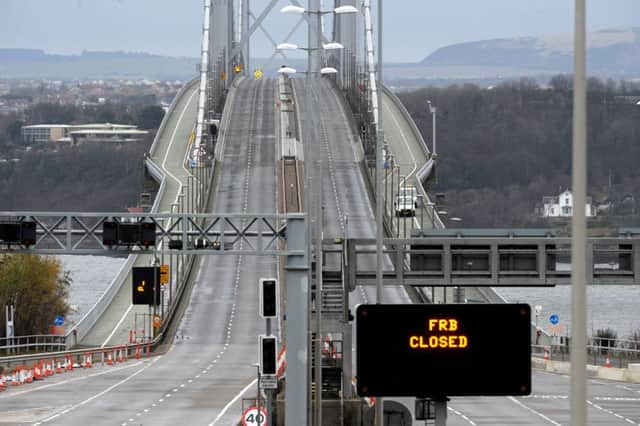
562	206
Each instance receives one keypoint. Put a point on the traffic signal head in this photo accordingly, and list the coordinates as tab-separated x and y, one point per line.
18	232
268	297
268	354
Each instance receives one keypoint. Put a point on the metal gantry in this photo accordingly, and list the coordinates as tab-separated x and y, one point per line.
197	233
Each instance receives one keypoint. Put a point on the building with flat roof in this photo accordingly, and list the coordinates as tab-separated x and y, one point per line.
43	133
99	132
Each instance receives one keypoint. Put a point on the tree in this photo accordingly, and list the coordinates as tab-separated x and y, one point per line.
150	117
37	287
14	130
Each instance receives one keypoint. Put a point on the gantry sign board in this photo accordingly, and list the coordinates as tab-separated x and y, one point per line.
443	350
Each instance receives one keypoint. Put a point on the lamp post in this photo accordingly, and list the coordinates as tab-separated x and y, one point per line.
315	37
433	110
538	309
432	207
297	406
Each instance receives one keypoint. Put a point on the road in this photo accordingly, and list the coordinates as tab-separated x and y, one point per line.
209	368
201	379
172	145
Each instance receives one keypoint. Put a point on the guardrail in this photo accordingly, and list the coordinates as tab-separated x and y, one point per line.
86	323
90	318
622	353
32	343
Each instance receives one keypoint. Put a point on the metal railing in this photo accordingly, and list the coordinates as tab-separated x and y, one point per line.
618	352
32	343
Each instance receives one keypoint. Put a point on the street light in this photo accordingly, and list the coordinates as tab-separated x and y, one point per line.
432	207
293	46
433	110
538	309
298	10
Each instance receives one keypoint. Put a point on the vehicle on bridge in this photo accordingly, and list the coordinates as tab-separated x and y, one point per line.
406	201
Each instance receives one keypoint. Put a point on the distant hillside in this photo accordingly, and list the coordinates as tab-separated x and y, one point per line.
32	63
611	53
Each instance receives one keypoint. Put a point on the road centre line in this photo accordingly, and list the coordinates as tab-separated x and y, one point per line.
72	380
98	395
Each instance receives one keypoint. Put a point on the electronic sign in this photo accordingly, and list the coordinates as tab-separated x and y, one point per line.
145	285
443	350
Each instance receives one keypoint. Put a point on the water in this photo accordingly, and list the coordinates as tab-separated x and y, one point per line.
90	277
608	306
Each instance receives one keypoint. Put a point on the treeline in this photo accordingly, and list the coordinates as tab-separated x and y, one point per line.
89	177
502	149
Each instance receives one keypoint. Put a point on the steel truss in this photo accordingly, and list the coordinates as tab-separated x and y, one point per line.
197	233
507	261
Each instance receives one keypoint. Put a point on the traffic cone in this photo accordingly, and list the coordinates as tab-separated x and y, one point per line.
138	352
15	380
69	363
58	367
607	362
37	372
109	359
120	357
547	357
3	383
29	376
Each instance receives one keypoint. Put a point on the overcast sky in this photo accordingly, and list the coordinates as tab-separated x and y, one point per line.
412	28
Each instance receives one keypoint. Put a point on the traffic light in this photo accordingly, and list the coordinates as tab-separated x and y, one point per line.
268	298
18	232
145	285
268	354
141	233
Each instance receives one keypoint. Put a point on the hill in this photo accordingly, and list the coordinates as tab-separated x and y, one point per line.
36	64
613	53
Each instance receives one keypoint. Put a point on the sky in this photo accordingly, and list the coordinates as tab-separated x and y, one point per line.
412	28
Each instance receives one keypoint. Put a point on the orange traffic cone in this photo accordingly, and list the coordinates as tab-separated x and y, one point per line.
58	367
15	380
607	362
138	352
29	376
547	357
109	359
3	383
37	372
120	356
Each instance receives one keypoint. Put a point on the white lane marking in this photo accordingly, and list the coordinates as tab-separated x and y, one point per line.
453	410
164	162
124	316
413	158
64	382
615	398
537	413
534	396
173	136
404	139
98	395
233	401
605	410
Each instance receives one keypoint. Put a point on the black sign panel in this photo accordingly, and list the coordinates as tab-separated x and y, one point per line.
443	350
144	279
